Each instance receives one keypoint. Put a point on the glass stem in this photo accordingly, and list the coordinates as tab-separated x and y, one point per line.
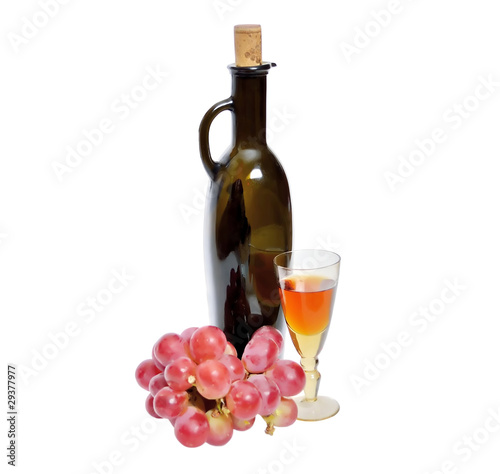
309	365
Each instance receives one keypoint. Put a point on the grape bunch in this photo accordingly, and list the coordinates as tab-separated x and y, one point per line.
197	382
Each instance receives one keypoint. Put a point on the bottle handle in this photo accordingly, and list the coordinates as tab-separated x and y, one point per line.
211	167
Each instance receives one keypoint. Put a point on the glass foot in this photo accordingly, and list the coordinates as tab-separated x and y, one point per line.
321	409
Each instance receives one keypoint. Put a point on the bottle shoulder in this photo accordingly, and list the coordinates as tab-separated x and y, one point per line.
240	162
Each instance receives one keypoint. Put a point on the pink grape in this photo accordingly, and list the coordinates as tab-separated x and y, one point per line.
234	365
221	428
260	354
149	406
212	379
192	428
170	403
230	349
243	400
187	333
157	383
169	347
145	371
242	425
207	342
269	392
289	376
271	333
286	413
157	362
178	372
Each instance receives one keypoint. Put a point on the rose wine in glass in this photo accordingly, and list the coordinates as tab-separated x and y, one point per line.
308	303
307	284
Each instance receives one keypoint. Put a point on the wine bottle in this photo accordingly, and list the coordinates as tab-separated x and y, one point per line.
248	216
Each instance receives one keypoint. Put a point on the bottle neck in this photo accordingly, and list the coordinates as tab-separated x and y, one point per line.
249	117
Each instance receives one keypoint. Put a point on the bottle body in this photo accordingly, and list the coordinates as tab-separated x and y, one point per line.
248	221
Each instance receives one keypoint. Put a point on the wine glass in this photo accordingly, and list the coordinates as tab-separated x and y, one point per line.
307	282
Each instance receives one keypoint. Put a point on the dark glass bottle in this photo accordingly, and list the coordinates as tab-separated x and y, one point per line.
248	218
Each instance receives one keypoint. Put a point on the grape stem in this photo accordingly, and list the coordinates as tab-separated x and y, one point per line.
270	425
221	407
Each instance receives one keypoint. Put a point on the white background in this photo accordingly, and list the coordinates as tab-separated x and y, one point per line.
133	205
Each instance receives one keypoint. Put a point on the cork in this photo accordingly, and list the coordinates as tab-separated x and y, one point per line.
248	45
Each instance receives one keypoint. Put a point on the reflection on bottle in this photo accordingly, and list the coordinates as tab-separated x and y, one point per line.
233	229
232	238
236	311
265	286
